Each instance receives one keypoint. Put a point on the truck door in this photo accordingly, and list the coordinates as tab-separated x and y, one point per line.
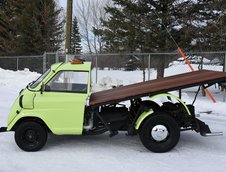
62	103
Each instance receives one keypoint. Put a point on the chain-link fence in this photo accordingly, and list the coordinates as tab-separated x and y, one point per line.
149	65
152	65
124	68
37	63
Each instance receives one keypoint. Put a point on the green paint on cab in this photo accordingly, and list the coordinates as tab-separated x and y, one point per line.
62	111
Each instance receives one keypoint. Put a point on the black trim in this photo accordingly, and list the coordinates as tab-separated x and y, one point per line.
20	101
3	129
59	91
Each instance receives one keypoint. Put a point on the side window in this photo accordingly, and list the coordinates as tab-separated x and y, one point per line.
69	81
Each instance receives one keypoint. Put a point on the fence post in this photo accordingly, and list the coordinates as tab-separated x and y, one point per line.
224	68
17	63
57	56
149	66
44	62
96	68
201	68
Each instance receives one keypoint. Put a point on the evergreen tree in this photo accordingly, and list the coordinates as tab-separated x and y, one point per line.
144	25
210	25
76	47
8	25
51	24
29	34
3	32
141	25
34	26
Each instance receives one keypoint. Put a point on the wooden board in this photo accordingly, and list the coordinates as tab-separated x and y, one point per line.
156	86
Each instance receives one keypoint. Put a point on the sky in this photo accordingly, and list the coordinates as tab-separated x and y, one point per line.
63	3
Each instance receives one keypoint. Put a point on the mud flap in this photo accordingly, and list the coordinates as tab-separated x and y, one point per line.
201	127
204	129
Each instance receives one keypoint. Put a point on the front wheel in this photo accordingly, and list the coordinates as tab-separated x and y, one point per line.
159	133
30	136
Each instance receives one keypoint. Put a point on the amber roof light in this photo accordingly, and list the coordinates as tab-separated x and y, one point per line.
77	61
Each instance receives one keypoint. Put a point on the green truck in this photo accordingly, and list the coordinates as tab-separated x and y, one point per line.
60	102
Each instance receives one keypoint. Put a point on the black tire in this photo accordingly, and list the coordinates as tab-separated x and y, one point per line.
151	104
170	137
30	136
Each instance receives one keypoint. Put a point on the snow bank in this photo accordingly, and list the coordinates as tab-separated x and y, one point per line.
16	80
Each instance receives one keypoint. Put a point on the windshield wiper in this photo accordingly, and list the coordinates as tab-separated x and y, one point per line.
30	83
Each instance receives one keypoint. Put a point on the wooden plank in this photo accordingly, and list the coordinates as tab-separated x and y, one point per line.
156	86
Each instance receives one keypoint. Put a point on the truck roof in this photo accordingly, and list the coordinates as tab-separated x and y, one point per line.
86	66
156	86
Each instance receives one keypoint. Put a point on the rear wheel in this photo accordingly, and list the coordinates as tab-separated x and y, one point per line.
159	133
30	136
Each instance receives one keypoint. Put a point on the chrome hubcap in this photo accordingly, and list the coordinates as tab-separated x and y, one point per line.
159	133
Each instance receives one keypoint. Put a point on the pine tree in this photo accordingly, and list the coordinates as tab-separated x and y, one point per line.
34	26
3	25
8	25
141	25
76	47
51	25
3	32
210	28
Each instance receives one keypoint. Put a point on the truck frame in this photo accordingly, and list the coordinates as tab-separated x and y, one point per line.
60	102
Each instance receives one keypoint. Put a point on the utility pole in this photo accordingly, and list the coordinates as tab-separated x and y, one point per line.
68	28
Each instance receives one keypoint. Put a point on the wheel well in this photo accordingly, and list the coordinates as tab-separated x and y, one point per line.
34	119
150	116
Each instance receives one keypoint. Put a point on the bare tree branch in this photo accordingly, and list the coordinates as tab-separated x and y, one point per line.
89	13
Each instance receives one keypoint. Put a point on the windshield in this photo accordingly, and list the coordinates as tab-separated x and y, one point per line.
35	84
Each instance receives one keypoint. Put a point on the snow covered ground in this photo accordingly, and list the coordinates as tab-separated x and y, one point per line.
193	153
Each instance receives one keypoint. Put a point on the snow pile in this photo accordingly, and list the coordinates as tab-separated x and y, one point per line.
106	83
128	77
16	79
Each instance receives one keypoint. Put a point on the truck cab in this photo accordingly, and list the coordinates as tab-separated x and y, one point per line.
56	99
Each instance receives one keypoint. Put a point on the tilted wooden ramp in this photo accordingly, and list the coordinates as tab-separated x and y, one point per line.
157	86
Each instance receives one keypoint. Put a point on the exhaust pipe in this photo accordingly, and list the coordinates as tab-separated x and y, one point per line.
212	134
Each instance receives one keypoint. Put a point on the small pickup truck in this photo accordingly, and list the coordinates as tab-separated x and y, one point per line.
60	102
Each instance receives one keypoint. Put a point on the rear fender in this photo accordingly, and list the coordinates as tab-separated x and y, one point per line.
172	97
150	112
143	116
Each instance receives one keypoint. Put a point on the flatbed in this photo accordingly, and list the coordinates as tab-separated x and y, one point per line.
157	86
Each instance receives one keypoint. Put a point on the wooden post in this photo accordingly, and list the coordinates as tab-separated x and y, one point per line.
68	27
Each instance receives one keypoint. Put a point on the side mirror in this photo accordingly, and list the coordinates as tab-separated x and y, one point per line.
42	88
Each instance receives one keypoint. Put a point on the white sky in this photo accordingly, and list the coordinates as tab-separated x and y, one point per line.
63	3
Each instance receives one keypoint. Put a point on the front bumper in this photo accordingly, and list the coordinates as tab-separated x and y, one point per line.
3	129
